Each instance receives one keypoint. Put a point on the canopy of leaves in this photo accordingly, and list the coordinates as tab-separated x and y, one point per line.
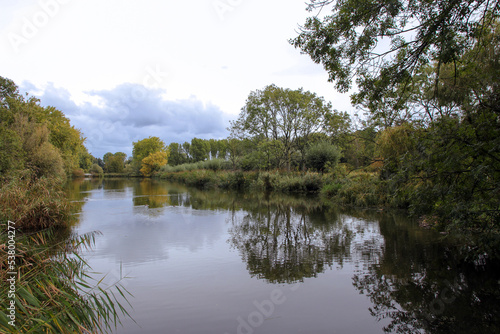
153	162
278	114
382	44
37	138
144	148
321	155
114	163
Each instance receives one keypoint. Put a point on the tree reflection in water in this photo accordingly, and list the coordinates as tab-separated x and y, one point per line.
424	284
283	244
414	278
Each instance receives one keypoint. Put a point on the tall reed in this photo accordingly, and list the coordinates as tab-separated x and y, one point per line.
54	292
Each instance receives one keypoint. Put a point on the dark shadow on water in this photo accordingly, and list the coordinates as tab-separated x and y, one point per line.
414	278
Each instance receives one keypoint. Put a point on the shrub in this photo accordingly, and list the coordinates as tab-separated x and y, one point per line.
34	204
78	173
360	189
321	155
214	164
96	170
312	182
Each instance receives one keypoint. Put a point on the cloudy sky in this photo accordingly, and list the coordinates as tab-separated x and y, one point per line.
125	70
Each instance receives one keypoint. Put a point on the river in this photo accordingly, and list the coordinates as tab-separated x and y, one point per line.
226	262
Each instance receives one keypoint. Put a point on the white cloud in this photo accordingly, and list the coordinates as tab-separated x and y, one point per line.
93	48
131	112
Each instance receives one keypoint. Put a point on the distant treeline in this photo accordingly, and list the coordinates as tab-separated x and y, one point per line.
277	129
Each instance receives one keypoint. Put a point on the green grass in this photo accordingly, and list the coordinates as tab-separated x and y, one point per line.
359	188
288	182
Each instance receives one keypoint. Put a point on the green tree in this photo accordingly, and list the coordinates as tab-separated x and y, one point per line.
177	155
359	147
222	149
86	160
235	149
281	114
11	156
428	72
40	155
186	147
322	155
144	148
199	149
213	144
444	161
115	163
96	169
36	137
106	157
64	136
338	126
384	43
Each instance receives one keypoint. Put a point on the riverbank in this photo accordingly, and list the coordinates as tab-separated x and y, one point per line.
47	288
360	188
287	182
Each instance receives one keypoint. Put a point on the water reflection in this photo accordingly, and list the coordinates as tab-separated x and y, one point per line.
415	281
423	284
285	244
139	219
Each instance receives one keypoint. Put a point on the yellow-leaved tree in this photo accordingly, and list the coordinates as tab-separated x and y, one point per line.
153	162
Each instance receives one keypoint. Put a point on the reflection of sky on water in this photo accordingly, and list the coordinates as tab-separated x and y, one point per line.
187	276
200	260
139	234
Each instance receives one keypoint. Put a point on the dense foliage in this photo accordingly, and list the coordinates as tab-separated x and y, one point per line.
38	149
37	138
433	93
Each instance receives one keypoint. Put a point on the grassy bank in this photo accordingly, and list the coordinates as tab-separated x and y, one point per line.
286	182
45	276
33	203
359	188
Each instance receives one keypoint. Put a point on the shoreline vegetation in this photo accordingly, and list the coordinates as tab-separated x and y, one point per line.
45	282
360	188
429	143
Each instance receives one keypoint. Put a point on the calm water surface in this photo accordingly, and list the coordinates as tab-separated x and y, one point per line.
221	262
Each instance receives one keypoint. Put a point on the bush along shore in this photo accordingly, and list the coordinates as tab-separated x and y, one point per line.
360	188
45	286
353	188
253	180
